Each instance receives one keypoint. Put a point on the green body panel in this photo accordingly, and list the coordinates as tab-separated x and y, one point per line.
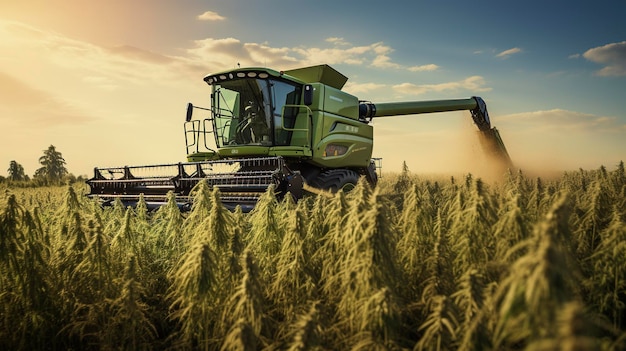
338	130
291	151
242	151
358	154
323	74
202	156
340	103
332	100
238	151
335	120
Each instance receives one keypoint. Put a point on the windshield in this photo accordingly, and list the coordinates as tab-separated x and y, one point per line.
248	111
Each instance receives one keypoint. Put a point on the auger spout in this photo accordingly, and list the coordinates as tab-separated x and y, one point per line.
489	137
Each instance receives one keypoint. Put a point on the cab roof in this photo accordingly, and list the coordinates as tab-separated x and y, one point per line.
313	74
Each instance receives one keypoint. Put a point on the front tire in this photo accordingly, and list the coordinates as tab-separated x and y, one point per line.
337	179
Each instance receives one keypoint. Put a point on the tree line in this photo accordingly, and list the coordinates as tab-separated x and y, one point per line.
51	172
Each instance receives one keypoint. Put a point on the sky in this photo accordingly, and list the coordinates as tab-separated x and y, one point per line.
107	82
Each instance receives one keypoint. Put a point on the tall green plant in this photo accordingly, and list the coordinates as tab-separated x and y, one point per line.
266	233
574	332
127	240
34	300
130	321
380	322
473	304
244	312
417	238
510	229
539	283
11	235
439	329
606	283
369	266
97	260
438	276
168	228
200	209
306	333
216	228
293	281
194	296
596	205
471	229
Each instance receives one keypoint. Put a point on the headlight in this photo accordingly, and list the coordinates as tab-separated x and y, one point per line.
335	150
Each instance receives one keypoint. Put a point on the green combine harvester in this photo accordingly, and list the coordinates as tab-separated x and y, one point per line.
293	130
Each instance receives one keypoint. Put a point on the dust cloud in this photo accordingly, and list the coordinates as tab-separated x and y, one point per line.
458	151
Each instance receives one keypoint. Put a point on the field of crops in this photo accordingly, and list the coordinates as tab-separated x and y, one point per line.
416	264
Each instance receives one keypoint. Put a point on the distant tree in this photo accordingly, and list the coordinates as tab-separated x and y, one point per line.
70	178
16	171
53	166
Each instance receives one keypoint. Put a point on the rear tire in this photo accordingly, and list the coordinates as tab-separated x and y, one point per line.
336	179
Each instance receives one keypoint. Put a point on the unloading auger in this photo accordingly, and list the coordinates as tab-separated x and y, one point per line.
489	136
289	130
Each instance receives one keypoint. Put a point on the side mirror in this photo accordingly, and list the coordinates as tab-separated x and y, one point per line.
189	112
308	94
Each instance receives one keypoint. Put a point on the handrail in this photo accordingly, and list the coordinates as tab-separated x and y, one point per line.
194	132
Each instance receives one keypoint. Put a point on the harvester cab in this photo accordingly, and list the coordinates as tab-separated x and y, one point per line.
292	130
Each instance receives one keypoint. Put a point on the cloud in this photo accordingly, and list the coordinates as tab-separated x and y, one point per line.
563	121
281	56
424	68
337	41
49	80
353	55
613	56
220	54
42	109
59	58
473	83
227	52
507	53
384	61
134	53
356	88
211	16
